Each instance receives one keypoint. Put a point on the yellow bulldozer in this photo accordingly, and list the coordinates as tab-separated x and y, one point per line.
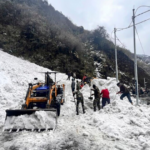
47	96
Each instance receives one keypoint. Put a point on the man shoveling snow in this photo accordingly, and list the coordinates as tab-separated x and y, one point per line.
124	91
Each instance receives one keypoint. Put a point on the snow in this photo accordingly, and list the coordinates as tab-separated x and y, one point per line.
39	120
119	126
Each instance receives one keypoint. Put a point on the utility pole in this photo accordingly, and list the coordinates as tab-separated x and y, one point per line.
135	61
116	55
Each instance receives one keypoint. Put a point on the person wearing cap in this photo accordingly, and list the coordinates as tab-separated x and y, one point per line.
124	91
96	101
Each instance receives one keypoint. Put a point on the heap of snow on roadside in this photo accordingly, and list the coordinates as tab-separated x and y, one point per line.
121	121
15	75
118	126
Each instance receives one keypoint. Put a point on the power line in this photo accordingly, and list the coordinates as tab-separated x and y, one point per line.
142	21
132	25
120	41
139	40
142	13
111	35
140	7
119	29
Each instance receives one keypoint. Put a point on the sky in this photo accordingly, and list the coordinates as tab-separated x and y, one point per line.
110	14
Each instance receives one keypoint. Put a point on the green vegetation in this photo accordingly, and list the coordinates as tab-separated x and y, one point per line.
34	30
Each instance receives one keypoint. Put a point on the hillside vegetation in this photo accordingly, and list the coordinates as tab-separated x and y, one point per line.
34	30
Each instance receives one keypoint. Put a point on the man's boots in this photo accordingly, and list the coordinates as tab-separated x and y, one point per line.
83	111
77	113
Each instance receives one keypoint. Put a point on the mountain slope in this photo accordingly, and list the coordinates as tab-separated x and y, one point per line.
34	30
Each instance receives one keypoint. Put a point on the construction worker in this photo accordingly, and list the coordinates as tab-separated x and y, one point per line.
84	77
81	85
124	91
74	75
78	85
105	97
96	101
69	74
59	90
80	99
73	85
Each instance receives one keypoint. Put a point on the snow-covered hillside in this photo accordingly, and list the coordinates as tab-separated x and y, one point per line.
119	126
144	58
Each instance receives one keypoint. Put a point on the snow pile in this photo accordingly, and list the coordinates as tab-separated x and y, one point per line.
119	126
122	122
15	75
39	120
110	84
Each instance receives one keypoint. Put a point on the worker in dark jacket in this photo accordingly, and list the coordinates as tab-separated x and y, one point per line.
69	74
96	101
124	91
80	99
78	85
59	90
105	97
73	85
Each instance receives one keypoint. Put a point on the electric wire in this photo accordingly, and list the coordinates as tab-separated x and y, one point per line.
142	21
120	29
120	42
142	13
140	40
135	24
140	7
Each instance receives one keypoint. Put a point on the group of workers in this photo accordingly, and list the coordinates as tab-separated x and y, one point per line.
97	96
79	85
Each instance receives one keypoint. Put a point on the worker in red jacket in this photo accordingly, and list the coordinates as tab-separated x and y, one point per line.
105	97
84	77
81	85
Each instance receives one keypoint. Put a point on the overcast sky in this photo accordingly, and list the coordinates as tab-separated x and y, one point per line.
110	14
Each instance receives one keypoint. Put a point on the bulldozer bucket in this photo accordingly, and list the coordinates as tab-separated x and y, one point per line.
19	112
30	120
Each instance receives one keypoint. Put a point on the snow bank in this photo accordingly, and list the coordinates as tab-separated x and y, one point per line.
119	126
16	74
39	120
